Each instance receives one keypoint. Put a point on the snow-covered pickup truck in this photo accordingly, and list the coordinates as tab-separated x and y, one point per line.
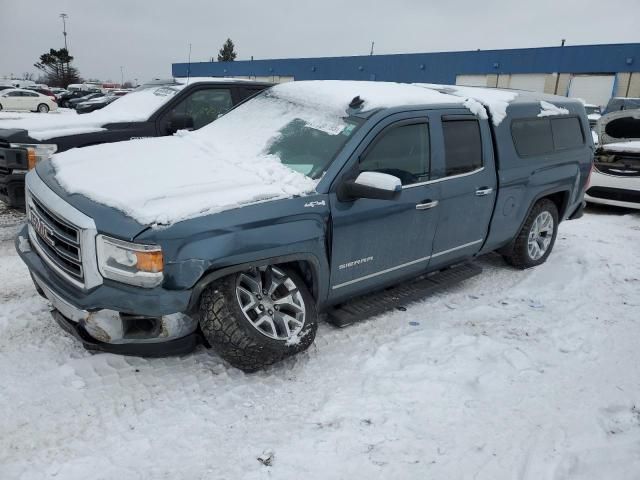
616	168
301	200
151	112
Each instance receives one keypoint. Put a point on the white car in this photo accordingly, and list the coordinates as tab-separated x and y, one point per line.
20	99
593	113
615	177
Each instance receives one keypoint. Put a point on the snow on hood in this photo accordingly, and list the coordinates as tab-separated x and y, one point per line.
494	99
225	164
632	146
549	109
133	107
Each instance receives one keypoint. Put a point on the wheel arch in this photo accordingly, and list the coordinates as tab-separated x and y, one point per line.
306	265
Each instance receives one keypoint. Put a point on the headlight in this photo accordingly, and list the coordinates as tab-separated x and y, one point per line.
131	263
37	152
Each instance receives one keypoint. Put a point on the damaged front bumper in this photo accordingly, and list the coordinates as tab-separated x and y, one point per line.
110	330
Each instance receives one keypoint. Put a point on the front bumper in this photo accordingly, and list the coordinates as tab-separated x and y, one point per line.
12	189
98	321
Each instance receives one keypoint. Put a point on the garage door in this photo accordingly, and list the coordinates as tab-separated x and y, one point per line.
532	82
595	89
472	80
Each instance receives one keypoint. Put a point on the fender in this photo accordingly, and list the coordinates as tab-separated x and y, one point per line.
319	290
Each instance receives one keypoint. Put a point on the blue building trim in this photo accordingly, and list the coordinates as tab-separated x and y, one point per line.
439	67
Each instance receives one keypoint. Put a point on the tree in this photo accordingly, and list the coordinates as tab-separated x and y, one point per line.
27	76
57	69
227	52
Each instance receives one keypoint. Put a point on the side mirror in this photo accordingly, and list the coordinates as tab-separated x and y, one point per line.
179	121
374	185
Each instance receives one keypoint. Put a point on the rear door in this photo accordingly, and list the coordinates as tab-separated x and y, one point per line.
467	180
12	101
376	242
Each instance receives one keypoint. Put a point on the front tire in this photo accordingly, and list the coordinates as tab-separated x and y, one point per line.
536	238
258	317
43	108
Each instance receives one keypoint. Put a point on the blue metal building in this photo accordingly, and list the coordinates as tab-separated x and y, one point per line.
549	69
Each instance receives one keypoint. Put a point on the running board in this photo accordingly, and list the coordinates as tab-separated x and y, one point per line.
405	293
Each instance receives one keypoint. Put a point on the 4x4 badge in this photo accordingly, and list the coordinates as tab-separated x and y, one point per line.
315	203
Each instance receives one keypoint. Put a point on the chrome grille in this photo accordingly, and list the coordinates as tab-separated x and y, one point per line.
57	238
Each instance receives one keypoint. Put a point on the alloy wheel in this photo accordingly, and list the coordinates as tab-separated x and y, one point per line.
271	301
540	235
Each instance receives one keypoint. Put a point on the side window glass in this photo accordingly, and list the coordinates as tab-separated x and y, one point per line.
532	136
403	152
566	133
462	146
204	106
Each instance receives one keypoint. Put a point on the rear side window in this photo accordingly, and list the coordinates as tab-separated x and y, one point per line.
403	152
462	146
532	137
566	133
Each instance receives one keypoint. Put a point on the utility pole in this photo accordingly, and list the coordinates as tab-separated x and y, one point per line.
189	66
372	44
64	17
121	76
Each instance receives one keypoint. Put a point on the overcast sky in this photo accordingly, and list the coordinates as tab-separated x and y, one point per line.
146	37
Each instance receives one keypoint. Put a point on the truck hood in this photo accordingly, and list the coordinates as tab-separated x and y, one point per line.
617	127
134	107
160	181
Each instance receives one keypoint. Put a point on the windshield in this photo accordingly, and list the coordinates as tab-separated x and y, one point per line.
303	137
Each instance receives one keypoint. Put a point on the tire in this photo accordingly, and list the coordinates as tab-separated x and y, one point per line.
0	107
43	108
522	253
237	338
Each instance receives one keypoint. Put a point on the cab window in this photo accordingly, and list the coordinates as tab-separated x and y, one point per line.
204	106
402	151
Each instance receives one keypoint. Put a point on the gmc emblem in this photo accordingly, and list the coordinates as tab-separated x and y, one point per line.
41	228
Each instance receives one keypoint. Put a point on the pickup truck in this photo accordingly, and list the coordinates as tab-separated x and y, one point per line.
150	112
305	199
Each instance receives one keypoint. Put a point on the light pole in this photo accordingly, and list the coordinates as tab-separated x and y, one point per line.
64	17
121	76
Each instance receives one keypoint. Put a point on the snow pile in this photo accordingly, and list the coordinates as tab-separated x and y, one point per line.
529	375
494	99
549	110
633	146
133	107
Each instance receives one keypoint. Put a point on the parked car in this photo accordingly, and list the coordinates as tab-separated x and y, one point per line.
296	202
151	112
75	101
26	100
593	113
44	91
96	103
6	87
64	100
616	169
622	103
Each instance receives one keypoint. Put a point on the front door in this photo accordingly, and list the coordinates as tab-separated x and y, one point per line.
377	242
467	189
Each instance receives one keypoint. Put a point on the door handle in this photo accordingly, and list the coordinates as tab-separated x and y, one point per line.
427	205
481	192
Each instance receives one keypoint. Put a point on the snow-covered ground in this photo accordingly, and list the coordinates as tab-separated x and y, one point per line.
510	375
8	115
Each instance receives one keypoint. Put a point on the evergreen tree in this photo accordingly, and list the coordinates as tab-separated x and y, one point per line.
227	52
57	69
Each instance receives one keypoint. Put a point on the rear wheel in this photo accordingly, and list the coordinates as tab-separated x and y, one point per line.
43	108
537	237
258	317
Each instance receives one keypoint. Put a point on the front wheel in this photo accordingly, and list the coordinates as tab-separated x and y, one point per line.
258	317
535	240
42	108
